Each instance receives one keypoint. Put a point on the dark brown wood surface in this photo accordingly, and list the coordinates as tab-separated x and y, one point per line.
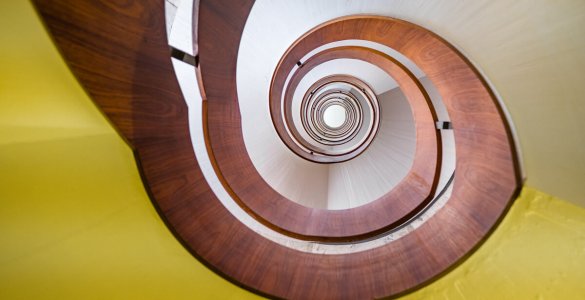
427	156
421	105
483	187
123	76
119	54
266	204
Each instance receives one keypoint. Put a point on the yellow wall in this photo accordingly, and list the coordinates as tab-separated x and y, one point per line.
538	252
76	223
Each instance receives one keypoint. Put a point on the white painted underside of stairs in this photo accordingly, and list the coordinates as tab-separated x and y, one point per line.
271	28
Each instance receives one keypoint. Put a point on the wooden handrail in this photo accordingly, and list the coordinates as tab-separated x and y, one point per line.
256	196
119	54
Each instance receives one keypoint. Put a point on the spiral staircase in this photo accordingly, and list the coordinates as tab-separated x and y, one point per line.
340	153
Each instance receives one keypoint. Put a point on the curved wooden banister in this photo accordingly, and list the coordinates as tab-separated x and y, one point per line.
428	149
255	195
119	54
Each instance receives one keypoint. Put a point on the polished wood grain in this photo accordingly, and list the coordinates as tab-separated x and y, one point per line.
122	75
257	197
421	105
470	205
119	54
428	140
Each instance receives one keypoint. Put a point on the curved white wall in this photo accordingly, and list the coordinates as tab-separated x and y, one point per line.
383	164
531	52
266	37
